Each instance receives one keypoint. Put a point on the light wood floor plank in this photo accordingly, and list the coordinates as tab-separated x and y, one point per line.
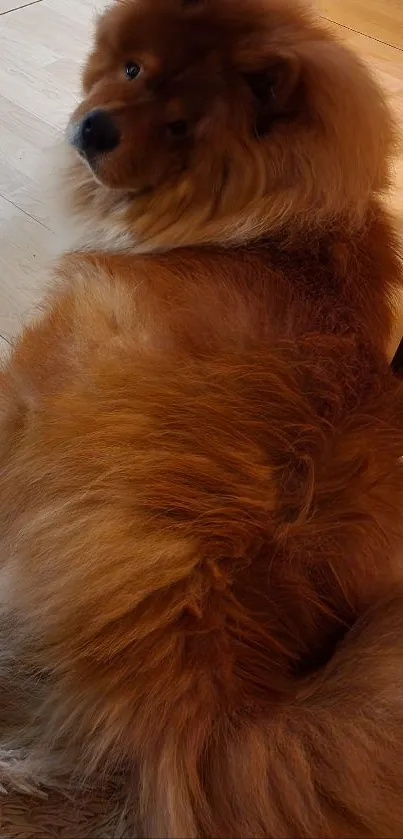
4	348
381	19
13	5
25	250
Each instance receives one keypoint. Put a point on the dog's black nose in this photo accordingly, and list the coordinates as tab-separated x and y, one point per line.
96	133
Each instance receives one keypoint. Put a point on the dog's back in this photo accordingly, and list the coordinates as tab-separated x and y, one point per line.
189	537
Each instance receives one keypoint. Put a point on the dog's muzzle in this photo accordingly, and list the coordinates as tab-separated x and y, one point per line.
96	133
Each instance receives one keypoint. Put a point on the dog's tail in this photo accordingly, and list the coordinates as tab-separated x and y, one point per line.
329	764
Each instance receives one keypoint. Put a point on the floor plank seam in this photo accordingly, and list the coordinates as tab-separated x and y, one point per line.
25	212
363	34
17	8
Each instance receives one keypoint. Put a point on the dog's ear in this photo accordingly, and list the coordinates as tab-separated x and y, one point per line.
273	89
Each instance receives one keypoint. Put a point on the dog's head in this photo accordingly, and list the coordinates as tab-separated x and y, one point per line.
228	118
171	83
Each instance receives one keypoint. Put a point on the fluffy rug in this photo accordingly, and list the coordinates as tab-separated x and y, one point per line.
74	815
71	812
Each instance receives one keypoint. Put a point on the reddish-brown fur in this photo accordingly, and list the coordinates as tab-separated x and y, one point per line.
201	488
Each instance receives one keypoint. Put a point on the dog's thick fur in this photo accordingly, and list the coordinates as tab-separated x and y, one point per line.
201	477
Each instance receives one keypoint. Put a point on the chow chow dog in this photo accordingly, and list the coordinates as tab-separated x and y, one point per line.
201	440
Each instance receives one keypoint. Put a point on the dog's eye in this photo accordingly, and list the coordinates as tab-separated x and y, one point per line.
178	128
132	70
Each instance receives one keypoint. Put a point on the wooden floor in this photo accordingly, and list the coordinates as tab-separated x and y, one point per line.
42	44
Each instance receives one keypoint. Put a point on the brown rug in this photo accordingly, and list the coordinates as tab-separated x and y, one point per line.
79	815
75	812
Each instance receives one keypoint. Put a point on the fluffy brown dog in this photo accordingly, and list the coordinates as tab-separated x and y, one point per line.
201	485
